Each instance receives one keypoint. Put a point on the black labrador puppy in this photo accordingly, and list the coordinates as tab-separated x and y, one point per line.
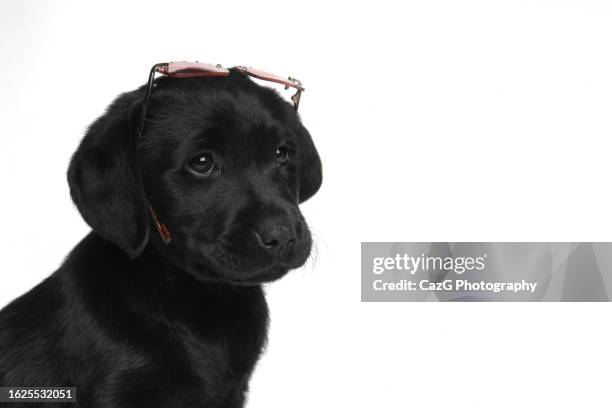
133	321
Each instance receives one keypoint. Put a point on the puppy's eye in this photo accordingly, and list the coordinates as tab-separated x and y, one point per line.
203	164
282	155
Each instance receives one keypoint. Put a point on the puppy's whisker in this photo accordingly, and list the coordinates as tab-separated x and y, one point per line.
319	238
313	256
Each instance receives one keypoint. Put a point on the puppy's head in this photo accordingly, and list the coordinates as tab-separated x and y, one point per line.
223	162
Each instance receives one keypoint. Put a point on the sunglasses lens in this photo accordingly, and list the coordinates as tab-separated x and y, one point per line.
192	69
266	76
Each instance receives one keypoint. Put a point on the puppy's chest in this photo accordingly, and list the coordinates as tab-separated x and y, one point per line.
206	360
219	356
203	343
227	350
222	339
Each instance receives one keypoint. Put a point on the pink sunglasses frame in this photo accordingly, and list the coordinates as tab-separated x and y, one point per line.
185	69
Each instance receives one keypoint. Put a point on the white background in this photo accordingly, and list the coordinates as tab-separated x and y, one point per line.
435	120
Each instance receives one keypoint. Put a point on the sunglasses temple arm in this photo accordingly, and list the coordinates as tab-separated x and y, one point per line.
161	228
296	99
145	102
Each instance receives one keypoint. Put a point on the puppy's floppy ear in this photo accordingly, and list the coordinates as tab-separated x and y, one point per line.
105	181
311	172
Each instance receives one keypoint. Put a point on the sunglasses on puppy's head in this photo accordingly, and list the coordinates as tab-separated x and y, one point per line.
197	69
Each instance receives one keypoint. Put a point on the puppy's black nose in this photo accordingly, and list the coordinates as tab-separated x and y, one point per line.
274	237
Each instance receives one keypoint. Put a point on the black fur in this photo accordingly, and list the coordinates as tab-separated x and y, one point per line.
134	322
